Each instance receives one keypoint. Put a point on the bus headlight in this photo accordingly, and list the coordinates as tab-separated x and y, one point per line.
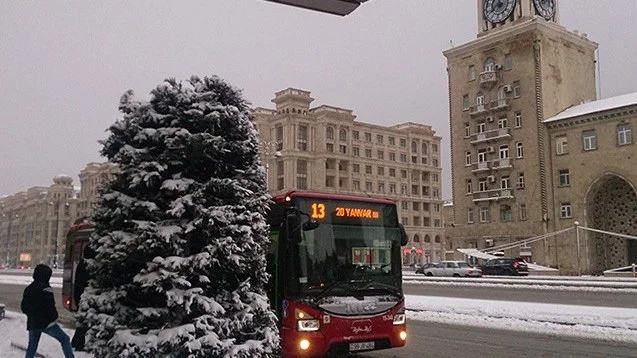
304	344
399	318
308	325
306	322
402	335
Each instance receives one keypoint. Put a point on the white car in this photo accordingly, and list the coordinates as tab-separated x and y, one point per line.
452	269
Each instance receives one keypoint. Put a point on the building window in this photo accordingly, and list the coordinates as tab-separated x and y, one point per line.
404	205
403	157
565	177
437	239
355	135
356	151
521	183
467	130
403	173
504	151
427	239
482	185
356	184
368	186
368	153
416	206
484	214
368	169
416	238
368	137
329	147
434	177
392	172
379	138
465	102
481	127
503	123
517	91
489	64
380	170
381	187
561	145
479	102
342	135
518	119
482	155
505	213
469	186
505	182
302	138
434	148
342	149
403	142
279	137
403	189
519	150
329	133
380	154
392	188
414	147
424	148
565	210
301	174
392	156
508	62
279	174
624	134
404	220
329	182
589	140
392	141
522	211
356	168
467	158
472	73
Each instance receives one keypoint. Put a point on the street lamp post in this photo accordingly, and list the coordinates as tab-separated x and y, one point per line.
268	149
56	206
579	266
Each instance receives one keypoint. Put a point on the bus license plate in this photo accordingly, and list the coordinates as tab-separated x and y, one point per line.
361	346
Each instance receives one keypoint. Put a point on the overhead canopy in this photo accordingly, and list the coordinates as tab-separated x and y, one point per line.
336	7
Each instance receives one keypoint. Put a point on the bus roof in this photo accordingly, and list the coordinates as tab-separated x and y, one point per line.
326	196
79	227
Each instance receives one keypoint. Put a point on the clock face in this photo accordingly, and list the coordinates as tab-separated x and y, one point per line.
545	8
497	11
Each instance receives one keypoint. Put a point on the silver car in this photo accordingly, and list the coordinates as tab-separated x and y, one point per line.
453	269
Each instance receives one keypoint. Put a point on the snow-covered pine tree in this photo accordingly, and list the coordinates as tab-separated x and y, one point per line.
180	233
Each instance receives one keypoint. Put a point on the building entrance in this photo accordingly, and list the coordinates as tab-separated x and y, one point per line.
611	206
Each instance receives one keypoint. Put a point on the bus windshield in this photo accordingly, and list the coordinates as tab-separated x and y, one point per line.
359	256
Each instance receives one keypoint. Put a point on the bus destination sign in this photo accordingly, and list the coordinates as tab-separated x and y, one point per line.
319	211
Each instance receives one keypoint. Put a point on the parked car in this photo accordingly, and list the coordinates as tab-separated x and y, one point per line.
505	266
422	268
452	269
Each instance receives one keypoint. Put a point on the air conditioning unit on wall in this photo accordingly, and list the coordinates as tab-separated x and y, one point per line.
490	149
489	119
507	88
491	179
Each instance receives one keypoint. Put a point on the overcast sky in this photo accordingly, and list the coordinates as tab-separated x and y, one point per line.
65	64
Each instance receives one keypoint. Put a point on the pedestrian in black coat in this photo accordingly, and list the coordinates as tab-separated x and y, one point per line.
38	304
80	282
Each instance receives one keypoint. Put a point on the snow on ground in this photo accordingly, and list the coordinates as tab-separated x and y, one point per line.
608	323
25	280
13	328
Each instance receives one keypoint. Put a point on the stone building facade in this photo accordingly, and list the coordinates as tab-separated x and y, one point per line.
522	68
33	223
325	149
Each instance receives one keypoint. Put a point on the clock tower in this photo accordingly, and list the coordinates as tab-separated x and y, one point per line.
496	14
522	68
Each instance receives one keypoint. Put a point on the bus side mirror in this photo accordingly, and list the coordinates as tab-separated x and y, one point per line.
310	225
403	235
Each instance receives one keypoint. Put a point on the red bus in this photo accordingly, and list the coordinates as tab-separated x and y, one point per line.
336	273
76	240
335	261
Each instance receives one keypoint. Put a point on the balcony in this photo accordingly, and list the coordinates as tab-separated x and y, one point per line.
488	79
499	105
501	164
492	195
479	167
491	135
478	109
